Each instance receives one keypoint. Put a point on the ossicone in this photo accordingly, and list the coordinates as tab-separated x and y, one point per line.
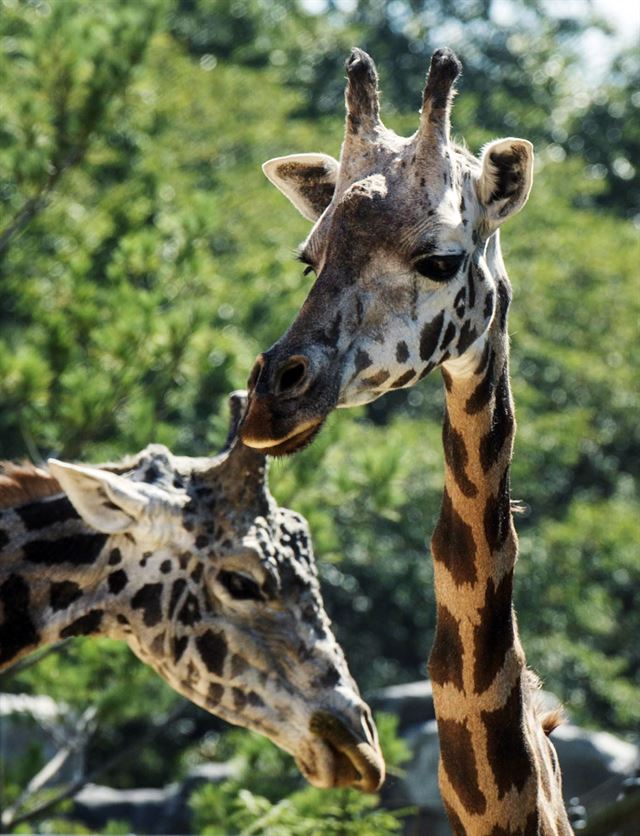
361	96
438	94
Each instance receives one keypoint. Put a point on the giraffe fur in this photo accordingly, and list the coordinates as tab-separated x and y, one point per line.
212	584
409	279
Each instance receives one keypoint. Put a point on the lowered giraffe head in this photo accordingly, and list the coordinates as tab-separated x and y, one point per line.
406	256
190	561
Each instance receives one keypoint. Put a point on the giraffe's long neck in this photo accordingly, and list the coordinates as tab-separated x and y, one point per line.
497	769
58	578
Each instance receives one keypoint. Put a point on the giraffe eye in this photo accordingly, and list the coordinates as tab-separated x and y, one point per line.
439	268
239	586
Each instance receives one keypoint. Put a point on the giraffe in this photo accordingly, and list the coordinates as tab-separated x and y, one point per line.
192	563
410	277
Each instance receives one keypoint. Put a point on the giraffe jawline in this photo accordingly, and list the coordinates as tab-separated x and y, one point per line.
295	443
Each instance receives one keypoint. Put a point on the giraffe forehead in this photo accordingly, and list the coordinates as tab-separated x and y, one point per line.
396	211
278	540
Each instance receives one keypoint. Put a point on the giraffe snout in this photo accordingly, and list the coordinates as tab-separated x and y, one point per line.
357	759
287	378
290	395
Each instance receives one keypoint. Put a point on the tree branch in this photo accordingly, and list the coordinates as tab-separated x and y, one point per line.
53	766
88	777
35	204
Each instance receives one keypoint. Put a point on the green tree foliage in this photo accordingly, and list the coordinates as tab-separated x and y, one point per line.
267	796
607	131
146	262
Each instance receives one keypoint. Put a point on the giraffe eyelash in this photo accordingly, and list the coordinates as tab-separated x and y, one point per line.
300	256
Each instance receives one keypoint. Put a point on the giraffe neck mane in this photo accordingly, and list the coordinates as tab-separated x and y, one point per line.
23	483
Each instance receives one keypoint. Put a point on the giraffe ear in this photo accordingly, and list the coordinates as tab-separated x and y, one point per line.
108	502
507	174
308	180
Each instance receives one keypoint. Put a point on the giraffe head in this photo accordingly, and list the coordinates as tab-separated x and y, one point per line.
404	248
216	587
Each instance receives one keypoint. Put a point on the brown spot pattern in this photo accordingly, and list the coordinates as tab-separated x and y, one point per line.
481	396
449	334
459	762
117	581
39	514
502	423
402	352
445	662
238	665
115	557
216	692
157	645
78	549
176	591
83	626
148	599
179	647
376	379
468	334
403	379
494	635
507	748
213	650
488	305
453	544
497	515
457	458
430	336
473	275
504	298
17	630
239	699
62	595
190	611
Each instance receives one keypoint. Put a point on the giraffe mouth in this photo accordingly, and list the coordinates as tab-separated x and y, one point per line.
354	761
292	443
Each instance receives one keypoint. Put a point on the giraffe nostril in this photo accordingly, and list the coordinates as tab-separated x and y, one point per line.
255	372
291	375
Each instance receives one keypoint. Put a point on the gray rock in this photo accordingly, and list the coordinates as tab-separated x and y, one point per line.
594	764
412	703
42	725
421	781
145	810
149	811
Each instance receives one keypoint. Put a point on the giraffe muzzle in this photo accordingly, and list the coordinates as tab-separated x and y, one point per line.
357	759
289	399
